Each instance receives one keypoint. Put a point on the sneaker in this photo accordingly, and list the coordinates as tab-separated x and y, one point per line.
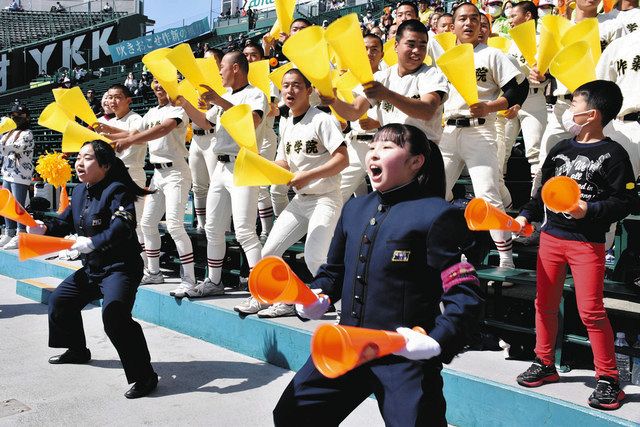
150	278
607	394
4	240
609	258
250	306
504	264
278	310
12	243
186	285
538	374
206	289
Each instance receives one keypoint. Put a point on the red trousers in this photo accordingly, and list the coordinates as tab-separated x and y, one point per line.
586	260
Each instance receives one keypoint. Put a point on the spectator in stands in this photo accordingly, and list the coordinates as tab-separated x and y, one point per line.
130	82
58	8
16	148
144	86
15	6
78	73
252	17
433	22
367	18
198	51
43	73
444	24
107	8
93	101
106	112
66	82
424	12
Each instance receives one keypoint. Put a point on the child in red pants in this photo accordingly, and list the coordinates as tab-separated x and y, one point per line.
608	193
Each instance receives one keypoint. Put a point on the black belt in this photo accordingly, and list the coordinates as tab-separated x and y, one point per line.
225	158
162	165
202	131
465	122
364	137
632	117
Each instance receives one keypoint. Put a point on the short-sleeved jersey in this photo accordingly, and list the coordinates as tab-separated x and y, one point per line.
132	157
223	143
171	147
309	143
493	70
424	80
620	63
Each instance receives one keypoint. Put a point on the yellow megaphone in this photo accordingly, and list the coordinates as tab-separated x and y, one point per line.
344	85
251	169
457	64
345	36
75	104
75	135
308	50
499	42
54	117
259	76
390	56
7	124
184	61
163	70
238	122
587	31
276	75
275	31
552	29
574	66
446	40
524	36
190	93
211	73
284	12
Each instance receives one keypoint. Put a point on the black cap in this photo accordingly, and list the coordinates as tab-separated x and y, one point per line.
19	108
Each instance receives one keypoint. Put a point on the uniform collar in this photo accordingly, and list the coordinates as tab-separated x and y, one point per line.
403	193
96	189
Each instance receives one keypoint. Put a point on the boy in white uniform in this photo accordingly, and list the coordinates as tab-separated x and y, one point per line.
469	136
409	92
119	99
164	128
313	147
225	199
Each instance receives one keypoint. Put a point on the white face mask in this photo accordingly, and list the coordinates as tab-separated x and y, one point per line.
544	12
569	123
494	10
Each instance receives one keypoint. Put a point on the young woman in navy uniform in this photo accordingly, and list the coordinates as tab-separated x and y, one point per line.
102	213
395	256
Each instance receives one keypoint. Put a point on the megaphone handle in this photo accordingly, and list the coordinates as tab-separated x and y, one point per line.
527	230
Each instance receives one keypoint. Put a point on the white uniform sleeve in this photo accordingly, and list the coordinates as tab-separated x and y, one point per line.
257	101
177	113
280	154
328	131
212	114
433	81
134	122
604	68
503	70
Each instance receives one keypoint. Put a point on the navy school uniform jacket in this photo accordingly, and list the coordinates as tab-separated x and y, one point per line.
104	212
390	255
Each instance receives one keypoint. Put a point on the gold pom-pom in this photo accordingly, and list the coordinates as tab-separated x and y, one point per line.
54	169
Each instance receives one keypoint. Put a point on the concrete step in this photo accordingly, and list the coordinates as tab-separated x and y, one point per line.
479	386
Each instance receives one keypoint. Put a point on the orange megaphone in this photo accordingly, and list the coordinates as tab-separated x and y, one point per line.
10	208
272	281
480	215
561	193
64	200
337	349
33	245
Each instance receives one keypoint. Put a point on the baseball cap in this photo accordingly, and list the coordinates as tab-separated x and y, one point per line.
19	108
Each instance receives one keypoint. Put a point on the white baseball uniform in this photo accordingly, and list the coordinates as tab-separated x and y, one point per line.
171	182
202	162
476	145
226	200
268	151
306	143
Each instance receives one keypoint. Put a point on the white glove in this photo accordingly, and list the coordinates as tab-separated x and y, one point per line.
315	310
83	244
40	228
419	346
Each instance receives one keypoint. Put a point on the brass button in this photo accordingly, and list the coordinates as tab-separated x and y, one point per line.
372	221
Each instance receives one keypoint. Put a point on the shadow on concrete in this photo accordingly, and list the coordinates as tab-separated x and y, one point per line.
271	352
15	310
187	377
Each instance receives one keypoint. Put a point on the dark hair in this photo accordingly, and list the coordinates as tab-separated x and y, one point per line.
255	46
306	81
106	156
445	15
303	20
602	95
528	6
125	90
375	36
431	176
238	57
411	25
466	3
217	53
409	3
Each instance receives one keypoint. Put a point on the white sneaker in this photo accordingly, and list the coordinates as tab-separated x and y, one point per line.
4	240
278	310
12	243
187	285
250	306
504	264
150	278
206	289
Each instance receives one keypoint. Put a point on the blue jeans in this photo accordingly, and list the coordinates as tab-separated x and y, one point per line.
19	191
